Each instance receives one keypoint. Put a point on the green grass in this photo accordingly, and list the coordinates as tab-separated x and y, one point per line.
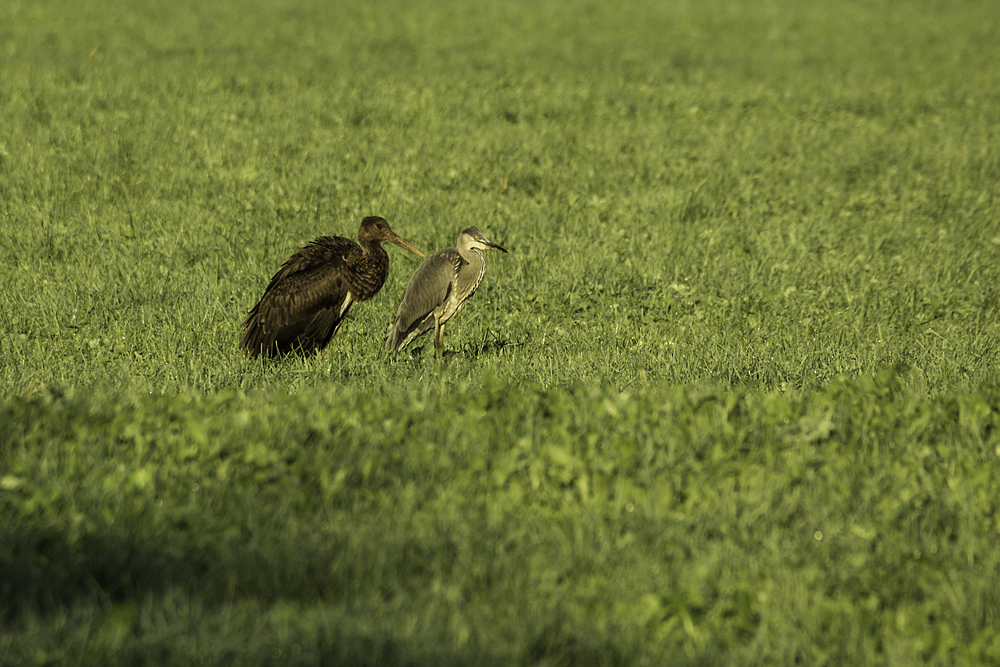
572	526
731	398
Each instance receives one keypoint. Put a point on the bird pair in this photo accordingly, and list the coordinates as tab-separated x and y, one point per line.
307	299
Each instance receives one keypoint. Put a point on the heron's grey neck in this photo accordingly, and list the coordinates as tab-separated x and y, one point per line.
472	255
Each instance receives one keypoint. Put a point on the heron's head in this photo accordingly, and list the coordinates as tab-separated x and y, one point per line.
473	237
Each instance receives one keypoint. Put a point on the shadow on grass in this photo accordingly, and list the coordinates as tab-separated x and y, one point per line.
345	607
41	570
491	344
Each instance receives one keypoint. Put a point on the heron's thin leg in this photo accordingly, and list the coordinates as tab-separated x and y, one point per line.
438	337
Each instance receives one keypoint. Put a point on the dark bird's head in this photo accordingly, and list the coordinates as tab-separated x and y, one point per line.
473	237
375	230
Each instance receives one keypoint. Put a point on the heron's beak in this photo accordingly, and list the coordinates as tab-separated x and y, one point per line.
493	246
404	245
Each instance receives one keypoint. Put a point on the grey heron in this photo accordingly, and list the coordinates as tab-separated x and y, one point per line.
439	288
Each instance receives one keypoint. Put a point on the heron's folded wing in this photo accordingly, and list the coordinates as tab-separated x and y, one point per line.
428	288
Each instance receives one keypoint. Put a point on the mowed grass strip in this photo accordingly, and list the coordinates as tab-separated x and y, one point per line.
692	193
515	525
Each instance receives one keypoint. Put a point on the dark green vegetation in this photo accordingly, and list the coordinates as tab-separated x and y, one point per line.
571	526
731	399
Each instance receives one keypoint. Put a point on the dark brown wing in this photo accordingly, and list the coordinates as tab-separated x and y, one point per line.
305	301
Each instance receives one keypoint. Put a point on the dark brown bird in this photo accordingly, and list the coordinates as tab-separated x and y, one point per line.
308	298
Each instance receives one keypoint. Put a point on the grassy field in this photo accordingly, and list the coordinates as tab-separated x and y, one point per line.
731	399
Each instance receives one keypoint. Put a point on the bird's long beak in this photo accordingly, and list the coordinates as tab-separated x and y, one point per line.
404	245
493	246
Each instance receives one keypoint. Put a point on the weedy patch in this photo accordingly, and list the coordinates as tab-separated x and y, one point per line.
676	519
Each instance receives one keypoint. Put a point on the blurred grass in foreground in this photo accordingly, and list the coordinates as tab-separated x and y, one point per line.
515	525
